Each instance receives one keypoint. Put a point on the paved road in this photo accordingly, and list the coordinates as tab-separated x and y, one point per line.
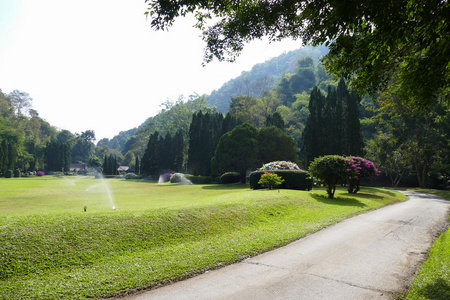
371	256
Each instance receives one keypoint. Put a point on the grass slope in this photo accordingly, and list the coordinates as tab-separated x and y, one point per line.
158	234
433	278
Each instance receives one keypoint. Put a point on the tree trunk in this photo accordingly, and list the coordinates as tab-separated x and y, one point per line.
419	175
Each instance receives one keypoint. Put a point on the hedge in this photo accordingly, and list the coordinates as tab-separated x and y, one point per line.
293	180
199	179
230	177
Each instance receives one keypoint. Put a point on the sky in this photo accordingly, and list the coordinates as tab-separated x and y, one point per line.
98	65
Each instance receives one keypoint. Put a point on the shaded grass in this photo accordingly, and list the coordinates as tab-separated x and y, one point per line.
433	278
107	253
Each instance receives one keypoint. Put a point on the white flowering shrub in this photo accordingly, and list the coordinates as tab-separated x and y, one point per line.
279	165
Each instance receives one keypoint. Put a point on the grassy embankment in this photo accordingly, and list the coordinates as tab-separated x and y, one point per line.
51	249
433	278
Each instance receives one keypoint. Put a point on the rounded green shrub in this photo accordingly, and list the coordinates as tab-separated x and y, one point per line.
199	179
17	173
293	179
8	173
130	176
177	177
230	177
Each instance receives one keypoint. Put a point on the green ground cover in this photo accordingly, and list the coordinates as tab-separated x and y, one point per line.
51	249
433	278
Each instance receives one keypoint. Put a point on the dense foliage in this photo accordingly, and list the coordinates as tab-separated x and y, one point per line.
58	156
244	148
205	131
333	126
237	151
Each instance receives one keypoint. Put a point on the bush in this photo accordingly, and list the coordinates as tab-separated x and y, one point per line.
293	180
130	176
279	165
332	169
40	173
364	169
199	179
177	177
230	177
8	174
165	177
270	180
17	173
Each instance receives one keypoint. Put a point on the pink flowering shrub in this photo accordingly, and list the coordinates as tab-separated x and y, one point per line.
361	169
166	177
40	173
332	169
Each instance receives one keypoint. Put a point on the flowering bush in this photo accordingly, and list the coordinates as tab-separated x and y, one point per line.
279	165
361	169
166	177
40	173
331	169
270	180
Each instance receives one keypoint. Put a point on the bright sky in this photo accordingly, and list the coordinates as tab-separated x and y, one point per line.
98	65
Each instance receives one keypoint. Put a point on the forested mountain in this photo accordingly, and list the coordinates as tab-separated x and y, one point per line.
261	77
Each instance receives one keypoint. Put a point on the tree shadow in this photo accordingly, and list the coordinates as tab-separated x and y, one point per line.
437	290
341	201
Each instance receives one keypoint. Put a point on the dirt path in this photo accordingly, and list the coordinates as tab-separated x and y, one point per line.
371	256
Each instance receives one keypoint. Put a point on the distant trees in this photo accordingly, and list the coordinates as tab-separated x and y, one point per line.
83	147
9	146
110	165
333	125
163	154
274	145
58	156
237	151
204	134
245	148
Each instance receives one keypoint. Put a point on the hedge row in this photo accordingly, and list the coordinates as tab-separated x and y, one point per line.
293	180
199	179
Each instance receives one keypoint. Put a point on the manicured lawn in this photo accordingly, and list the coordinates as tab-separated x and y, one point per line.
51	249
433	279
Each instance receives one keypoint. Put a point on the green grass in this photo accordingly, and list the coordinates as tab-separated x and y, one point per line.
50	248
433	278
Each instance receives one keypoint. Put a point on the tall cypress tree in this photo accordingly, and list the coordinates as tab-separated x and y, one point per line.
354	140
178	142
137	166
314	133
105	165
150	159
333	126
